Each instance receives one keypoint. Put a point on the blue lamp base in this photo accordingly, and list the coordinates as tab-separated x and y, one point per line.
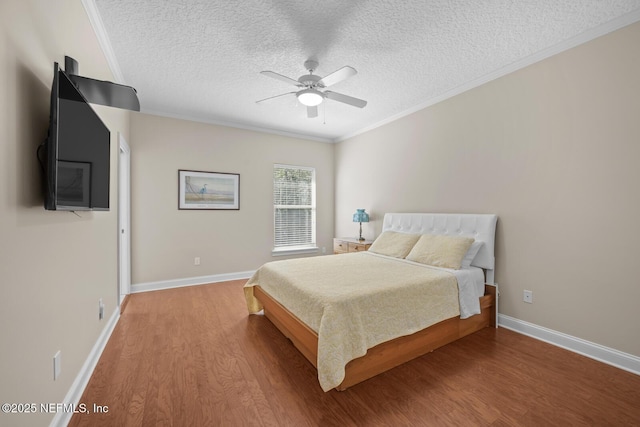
360	216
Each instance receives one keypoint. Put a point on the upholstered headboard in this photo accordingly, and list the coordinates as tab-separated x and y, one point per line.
481	227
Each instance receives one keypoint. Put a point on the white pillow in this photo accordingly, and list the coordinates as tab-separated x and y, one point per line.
392	243
471	253
440	250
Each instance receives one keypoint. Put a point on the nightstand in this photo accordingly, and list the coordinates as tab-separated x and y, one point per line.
343	245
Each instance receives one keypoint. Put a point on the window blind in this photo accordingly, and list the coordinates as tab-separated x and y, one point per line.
294	206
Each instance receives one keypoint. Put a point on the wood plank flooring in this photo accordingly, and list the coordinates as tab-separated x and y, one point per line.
193	357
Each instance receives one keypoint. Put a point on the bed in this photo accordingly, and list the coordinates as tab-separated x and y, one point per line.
354	316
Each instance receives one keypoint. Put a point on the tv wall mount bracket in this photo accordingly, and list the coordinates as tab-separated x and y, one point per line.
102	92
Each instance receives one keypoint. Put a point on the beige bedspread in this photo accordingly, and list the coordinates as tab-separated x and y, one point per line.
356	301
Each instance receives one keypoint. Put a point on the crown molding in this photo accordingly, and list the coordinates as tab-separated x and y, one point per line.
103	39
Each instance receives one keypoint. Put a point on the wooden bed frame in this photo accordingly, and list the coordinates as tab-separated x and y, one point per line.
389	354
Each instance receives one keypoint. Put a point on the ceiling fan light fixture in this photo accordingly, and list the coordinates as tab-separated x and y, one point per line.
310	97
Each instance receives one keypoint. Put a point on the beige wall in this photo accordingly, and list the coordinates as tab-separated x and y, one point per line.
54	266
166	240
553	149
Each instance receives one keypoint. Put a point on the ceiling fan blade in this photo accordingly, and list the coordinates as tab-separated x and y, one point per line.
360	103
271	97
338	76
281	78
312	112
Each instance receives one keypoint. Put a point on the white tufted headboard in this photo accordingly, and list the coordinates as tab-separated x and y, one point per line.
481	227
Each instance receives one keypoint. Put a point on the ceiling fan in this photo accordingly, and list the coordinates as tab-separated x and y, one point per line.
310	85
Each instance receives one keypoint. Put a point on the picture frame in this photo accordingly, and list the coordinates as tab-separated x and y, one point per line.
208	190
74	184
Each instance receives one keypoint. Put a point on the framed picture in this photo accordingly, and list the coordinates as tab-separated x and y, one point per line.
74	184
208	190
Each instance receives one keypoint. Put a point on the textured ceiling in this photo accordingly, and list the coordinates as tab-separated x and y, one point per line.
201	59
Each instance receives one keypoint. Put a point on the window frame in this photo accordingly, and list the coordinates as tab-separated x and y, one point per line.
296	249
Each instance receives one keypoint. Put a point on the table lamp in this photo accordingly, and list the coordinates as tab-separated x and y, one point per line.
360	216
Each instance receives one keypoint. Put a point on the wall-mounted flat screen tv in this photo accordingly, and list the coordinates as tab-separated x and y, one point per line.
76	155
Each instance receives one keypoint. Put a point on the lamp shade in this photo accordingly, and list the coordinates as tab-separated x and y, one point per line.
310	97
360	216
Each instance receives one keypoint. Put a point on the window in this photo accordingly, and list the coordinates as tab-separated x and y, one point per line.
294	209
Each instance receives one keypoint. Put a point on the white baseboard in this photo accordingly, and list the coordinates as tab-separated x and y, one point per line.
610	356
62	418
189	281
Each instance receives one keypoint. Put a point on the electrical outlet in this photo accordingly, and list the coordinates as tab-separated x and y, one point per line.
196	261
527	296
57	367
324	250
100	309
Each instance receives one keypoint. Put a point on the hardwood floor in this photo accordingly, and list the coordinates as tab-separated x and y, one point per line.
193	357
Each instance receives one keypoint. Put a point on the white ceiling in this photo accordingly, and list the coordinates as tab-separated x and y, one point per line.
201	59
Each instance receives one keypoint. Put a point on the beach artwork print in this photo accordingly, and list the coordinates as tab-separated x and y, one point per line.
208	190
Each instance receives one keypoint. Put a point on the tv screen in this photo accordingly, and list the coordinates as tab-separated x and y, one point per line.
77	164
